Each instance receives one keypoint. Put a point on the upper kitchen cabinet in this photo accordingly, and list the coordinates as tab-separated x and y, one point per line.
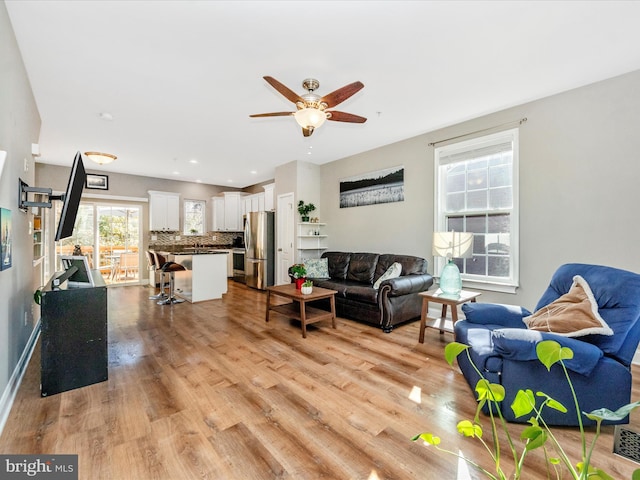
269	196
218	214
253	203
164	211
228	211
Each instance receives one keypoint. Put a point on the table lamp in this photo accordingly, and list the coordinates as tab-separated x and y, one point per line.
452	245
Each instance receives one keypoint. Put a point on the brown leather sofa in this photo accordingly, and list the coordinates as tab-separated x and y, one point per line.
396	301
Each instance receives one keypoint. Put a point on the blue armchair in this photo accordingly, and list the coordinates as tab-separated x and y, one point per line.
503	348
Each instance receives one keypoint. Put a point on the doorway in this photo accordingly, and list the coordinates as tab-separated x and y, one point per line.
110	236
285	237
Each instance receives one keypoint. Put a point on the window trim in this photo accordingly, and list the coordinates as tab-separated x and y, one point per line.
511	284
204	217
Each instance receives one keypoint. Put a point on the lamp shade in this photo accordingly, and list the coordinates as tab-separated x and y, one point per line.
100	158
452	244
310	117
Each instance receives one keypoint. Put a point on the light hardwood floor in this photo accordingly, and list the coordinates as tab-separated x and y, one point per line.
212	391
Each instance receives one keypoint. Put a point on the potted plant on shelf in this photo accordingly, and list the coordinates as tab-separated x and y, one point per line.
307	287
304	209
299	273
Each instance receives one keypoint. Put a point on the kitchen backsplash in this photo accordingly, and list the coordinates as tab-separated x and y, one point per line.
165	239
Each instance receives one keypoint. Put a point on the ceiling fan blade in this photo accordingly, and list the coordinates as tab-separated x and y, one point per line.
340	95
286	91
273	114
345	117
307	131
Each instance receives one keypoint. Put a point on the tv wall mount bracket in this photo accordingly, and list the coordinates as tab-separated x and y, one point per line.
24	190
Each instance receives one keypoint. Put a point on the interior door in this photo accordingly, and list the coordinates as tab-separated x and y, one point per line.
285	237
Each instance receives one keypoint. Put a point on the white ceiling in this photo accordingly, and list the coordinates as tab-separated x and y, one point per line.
180	78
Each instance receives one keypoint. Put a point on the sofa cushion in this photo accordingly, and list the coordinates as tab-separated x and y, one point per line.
338	263
410	265
317	267
339	286
361	293
393	271
574	314
362	266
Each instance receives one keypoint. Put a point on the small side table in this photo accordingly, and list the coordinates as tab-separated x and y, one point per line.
438	296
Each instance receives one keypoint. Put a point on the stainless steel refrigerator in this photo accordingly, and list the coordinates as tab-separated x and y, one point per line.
259	258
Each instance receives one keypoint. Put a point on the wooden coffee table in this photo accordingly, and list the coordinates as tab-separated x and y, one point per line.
298	308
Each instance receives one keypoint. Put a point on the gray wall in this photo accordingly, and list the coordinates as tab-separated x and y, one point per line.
579	171
128	189
56	177
19	128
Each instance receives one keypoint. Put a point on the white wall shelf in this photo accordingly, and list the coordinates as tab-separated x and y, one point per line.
311	240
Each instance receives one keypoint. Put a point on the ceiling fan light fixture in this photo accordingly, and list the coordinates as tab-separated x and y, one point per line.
310	118
100	158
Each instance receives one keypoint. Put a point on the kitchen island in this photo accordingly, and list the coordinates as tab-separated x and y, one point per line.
204	277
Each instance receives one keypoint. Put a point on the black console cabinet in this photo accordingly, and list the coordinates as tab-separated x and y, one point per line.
73	337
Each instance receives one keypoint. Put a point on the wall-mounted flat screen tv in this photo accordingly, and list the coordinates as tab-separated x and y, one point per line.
71	199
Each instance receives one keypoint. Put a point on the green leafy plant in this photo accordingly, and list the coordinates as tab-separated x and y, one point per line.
298	270
307	283
305	209
537	435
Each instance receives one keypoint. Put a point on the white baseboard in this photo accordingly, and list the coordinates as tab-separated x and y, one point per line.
9	394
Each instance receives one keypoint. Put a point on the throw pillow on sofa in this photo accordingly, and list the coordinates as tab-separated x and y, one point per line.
572	315
317	268
393	271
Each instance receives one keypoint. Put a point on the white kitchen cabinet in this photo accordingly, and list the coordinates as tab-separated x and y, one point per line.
164	211
227	212
254	203
218	214
233	211
269	196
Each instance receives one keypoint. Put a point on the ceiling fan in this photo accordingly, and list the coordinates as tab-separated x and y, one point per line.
312	108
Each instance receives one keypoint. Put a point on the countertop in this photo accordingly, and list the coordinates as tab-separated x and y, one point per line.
194	251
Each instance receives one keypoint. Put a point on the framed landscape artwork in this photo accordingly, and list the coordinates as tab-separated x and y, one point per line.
99	182
5	238
381	186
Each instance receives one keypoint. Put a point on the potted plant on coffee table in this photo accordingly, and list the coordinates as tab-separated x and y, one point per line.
299	273
307	287
304	209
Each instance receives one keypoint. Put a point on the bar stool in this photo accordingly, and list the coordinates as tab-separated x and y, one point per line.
167	269
154	267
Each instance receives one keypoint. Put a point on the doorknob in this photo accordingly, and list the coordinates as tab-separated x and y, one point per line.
279	249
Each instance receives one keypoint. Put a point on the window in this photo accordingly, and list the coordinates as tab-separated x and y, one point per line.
476	191
194	217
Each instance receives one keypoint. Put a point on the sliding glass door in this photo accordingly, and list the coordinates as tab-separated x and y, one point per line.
110	236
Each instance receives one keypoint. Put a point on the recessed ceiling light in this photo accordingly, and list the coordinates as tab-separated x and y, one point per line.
253	172
176	173
198	181
229	181
193	161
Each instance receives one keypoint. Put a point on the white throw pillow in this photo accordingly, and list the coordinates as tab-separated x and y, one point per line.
393	271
